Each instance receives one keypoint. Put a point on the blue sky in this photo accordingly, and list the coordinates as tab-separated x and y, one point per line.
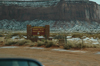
97	1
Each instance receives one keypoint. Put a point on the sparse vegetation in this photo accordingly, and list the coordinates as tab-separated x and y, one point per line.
40	43
69	46
22	42
46	43
49	43
1	35
10	35
31	45
59	37
80	45
19	42
9	43
76	35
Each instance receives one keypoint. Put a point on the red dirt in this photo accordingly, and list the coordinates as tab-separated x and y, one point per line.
55	58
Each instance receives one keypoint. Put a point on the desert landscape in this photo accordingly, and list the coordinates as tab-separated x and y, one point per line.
53	53
73	38
50	57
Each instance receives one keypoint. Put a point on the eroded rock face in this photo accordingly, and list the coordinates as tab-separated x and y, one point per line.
50	10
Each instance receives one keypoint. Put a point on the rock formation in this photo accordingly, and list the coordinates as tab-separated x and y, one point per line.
66	15
50	10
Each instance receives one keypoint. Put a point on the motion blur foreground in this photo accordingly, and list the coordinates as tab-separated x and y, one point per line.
19	62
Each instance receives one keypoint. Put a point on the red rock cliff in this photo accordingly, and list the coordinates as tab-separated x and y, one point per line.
61	11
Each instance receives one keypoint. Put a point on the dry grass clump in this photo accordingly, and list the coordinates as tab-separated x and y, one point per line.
77	35
80	45
46	43
19	42
50	43
10	35
91	46
1	35
69	46
32	44
29	43
53	34
40	43
15	34
59	37
9	43
26	43
96	36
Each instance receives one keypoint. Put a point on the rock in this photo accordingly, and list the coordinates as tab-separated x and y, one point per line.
50	10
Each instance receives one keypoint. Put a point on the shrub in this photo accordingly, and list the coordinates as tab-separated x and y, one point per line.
22	42
1	35
59	37
93	46
79	46
8	36
15	34
16	38
49	43
40	43
77	35
31	45
25	43
9	43
18	42
84	46
69	46
43	40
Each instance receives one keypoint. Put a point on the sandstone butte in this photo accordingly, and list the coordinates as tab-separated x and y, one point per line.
66	10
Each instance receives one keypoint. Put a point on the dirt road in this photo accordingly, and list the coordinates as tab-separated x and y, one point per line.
48	57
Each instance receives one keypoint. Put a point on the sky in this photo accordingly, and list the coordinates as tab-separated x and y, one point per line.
97	1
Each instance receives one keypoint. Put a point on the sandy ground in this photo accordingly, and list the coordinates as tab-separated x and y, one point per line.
48	57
